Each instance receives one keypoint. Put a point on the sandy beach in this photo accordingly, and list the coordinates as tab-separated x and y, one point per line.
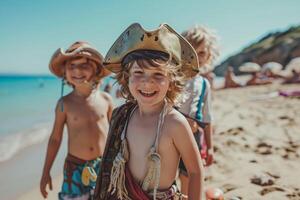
257	140
257	147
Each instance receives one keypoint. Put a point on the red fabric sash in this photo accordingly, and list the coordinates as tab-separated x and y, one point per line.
134	190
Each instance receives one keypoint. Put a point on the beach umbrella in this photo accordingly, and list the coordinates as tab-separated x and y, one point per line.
294	64
250	67
273	67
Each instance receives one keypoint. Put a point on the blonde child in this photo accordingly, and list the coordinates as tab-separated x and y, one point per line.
197	101
147	135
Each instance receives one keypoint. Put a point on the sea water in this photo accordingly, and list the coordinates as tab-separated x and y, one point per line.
27	105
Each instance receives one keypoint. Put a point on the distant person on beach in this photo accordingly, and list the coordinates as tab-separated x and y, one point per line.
256	79
294	78
230	81
119	93
107	88
271	70
147	135
86	113
255	71
197	101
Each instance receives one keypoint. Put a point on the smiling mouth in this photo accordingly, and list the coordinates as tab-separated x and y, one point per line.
78	78
147	94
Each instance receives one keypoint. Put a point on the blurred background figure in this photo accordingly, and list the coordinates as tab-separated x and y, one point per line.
230	79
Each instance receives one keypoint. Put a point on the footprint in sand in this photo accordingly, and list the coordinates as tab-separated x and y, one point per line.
253	161
228	187
208	178
289	120
270	189
233	131
263	148
288	152
294	195
263	179
273	175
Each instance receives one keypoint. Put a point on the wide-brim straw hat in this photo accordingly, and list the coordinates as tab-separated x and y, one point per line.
78	49
249	67
164	39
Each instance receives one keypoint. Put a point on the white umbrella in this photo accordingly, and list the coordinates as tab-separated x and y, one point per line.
250	67
294	64
274	67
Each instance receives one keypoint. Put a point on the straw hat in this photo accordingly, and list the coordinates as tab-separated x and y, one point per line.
249	67
78	49
164	39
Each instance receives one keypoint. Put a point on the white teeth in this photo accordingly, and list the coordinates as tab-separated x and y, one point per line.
78	78
147	93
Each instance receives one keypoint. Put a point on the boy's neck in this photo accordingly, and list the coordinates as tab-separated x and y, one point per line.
86	90
151	109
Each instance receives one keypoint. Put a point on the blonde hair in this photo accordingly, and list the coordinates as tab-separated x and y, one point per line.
176	77
198	35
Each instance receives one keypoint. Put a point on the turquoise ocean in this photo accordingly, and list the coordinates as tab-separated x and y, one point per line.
27	106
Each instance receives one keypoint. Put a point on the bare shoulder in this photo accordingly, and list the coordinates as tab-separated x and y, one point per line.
176	123
64	101
67	98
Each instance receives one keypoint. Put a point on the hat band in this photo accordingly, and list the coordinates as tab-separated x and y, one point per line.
145	54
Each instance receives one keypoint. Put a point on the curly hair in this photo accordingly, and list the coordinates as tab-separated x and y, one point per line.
201	35
176	77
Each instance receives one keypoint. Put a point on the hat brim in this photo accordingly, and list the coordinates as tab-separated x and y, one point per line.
59	58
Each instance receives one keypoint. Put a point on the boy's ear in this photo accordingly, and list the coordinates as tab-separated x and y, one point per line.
99	73
209	57
64	72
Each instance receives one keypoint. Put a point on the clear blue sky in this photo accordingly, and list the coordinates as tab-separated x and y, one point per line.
31	30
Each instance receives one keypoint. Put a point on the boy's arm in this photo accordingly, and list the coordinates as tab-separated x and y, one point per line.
110	105
207	118
187	147
53	147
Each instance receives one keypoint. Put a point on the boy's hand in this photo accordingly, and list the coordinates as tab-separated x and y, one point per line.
46	180
209	158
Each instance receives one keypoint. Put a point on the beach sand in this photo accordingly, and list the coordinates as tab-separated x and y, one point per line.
257	139
20	176
35	192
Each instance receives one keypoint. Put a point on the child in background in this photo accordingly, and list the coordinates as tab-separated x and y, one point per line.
197	102
86	113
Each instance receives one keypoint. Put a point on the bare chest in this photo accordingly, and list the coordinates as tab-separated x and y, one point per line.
141	138
85	113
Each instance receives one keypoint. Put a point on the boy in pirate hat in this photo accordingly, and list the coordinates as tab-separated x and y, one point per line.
197	101
147	135
86	112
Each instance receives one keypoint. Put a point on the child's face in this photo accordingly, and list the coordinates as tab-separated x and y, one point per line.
79	71
203	54
148	86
